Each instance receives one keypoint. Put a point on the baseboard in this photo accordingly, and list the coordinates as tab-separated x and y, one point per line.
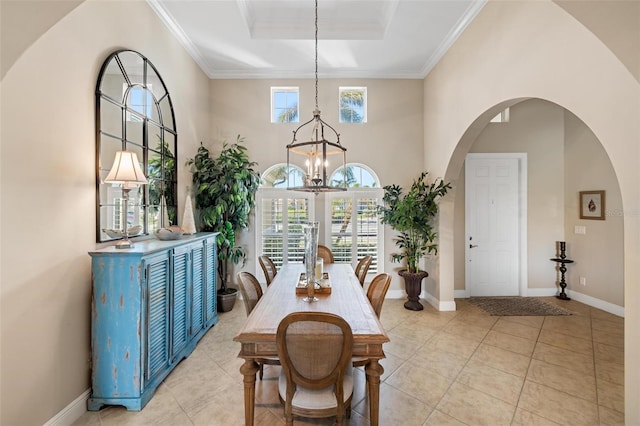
597	303
72	412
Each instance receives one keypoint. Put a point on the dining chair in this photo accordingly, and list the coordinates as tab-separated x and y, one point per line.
325	253
316	379
375	293
251	293
362	268
268	267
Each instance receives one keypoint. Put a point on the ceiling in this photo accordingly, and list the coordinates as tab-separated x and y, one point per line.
356	38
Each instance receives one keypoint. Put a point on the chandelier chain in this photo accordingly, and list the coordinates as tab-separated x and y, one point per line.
316	46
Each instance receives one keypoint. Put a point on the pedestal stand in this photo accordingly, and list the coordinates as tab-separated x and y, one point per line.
562	260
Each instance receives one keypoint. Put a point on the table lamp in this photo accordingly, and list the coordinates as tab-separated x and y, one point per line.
126	171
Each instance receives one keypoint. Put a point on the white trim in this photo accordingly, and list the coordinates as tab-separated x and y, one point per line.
180	35
72	412
438	304
597	303
474	8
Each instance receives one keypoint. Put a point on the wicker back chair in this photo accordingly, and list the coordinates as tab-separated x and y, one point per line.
251	293
362	268
268	267
315	351
325	253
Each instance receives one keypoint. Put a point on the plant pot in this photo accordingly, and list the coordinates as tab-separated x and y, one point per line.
227	299
413	286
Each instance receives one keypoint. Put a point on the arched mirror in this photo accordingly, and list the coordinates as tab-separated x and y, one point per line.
134	112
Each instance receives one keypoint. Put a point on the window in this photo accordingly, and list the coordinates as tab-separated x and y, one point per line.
502	117
355	230
353	104
284	105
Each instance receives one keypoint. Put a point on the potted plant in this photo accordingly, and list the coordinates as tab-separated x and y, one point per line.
412	214
225	195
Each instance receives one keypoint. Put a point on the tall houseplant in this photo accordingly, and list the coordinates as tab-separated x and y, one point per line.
226	187
412	214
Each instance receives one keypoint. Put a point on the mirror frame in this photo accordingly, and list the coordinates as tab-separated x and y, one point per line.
144	103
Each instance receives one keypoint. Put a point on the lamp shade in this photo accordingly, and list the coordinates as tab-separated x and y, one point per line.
126	169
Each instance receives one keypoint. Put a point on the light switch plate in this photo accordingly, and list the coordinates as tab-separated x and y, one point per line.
580	230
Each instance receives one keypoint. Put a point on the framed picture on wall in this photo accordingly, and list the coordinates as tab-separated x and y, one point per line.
592	205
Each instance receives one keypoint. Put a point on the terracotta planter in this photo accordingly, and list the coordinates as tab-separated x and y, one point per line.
227	300
413	286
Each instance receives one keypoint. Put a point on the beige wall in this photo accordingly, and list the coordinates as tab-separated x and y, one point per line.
48	193
563	157
390	142
504	56
599	253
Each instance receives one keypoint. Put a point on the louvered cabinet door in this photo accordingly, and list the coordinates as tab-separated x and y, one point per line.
197	288
211	281
179	304
157	323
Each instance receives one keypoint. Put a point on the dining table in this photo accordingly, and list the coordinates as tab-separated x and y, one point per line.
343	296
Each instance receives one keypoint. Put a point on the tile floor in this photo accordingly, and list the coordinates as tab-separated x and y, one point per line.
442	368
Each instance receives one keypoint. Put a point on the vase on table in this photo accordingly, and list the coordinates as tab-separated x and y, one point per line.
310	255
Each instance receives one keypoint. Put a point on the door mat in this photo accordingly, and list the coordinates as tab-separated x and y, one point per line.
517	306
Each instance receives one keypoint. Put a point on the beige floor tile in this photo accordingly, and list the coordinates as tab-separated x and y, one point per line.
572	325
615	326
438	418
565	341
502	359
602	315
481	320
609	417
439	361
491	381
565	358
611	396
420	383
401	347
531	321
474	407
527	418
397	408
466	331
516	329
557	406
608	353
412	332
609	338
451	343
610	372
511	343
559	378
390	364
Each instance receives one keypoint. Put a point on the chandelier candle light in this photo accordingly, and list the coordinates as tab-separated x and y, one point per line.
126	172
315	152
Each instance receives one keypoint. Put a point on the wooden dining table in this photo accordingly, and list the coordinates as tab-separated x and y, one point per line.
347	299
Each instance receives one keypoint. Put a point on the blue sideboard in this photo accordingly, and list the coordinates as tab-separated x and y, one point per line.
149	307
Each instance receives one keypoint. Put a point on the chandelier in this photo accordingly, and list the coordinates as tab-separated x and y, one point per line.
314	153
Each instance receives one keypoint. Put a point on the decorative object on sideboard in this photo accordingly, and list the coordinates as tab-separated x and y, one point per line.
170	233
188	221
562	261
125	171
314	153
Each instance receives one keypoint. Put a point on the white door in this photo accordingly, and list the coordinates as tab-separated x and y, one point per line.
493	224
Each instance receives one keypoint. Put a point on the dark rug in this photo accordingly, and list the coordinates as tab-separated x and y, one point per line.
517	306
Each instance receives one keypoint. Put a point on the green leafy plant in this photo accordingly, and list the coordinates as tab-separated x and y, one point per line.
412	214
225	195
